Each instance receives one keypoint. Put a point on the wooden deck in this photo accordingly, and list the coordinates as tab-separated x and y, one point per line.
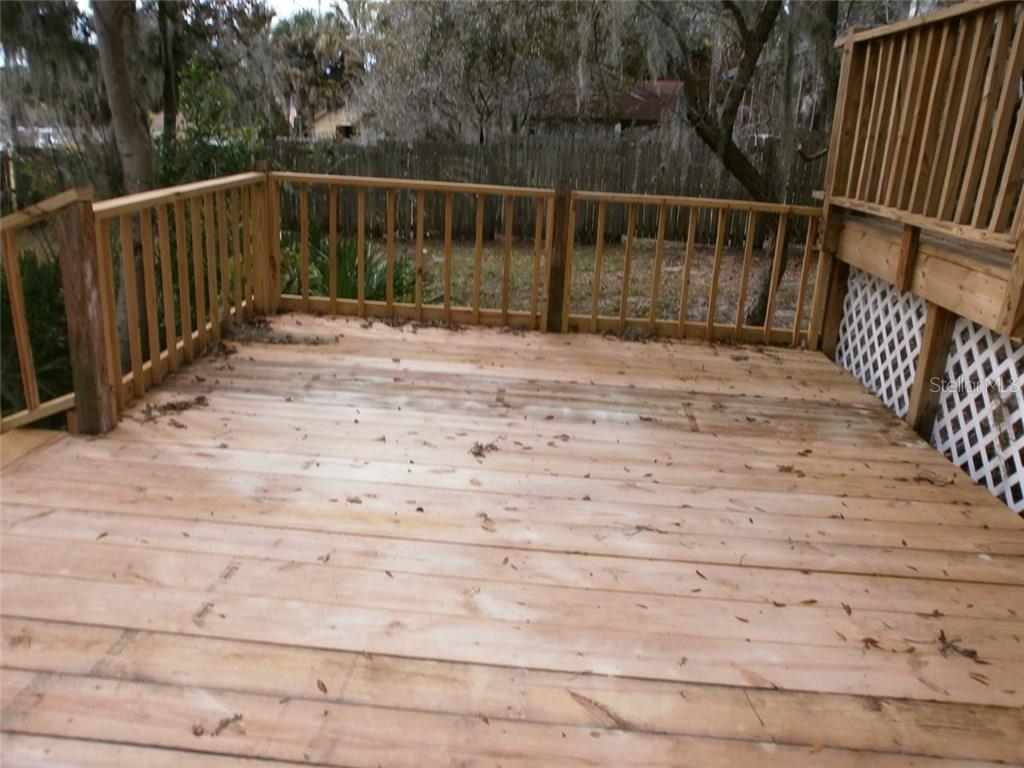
419	547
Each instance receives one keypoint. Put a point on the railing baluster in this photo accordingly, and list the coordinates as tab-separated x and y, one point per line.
888	136
933	192
390	251
332	248
595	300
1001	128
684	291
570	255
538	235
982	116
184	298
156	371
274	199
167	286
627	266
19	318
506	257
659	253
748	258
210	231
447	268
883	96
544	322
130	286
237	248
108	297
971	94
913	90
198	270
880	49
420	201
303	245
805	269
361	250
773	286
478	254
258	229
974	120
858	148
222	238
723	220
245	249
926	159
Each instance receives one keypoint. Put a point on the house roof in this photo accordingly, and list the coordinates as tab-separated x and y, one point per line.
648	101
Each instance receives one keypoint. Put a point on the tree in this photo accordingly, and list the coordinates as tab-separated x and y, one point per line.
461	70
116	65
321	63
712	107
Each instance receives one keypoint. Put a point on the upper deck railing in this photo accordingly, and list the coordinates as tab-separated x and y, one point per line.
929	129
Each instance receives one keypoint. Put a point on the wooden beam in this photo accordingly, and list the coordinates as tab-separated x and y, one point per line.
45	208
87	340
931	364
557	266
1013	303
909	242
834	300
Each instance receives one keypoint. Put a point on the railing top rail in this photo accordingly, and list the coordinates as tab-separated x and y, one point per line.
411	184
115	206
943	14
696	202
1001	240
41	210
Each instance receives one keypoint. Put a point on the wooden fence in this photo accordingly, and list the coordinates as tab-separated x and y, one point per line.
661	161
154	280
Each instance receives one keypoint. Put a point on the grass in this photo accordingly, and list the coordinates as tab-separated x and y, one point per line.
641	279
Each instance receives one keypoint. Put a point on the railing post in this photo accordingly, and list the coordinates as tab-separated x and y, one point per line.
95	405
931	365
830	278
556	306
273	249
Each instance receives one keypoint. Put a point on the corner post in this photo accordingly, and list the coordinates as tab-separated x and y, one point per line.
80	269
931	365
831	276
556	306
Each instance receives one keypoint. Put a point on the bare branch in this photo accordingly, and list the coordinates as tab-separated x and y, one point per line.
737	14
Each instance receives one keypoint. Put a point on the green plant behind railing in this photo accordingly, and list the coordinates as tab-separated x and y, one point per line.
348	270
40	279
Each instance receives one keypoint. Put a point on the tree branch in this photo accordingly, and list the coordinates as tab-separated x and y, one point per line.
753	45
737	14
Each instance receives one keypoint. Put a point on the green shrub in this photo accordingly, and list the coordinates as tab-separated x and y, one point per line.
44	301
348	270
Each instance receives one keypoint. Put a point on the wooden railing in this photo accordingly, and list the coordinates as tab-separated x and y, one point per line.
10	226
415	196
153	280
204	262
930	132
557	273
666	289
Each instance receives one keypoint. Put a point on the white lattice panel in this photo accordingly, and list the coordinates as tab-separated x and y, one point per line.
880	338
980	425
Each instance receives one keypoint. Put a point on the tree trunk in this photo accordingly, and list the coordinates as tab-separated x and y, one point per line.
130	132
169	66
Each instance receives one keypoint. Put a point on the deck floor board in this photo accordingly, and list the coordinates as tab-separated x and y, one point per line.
658	554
